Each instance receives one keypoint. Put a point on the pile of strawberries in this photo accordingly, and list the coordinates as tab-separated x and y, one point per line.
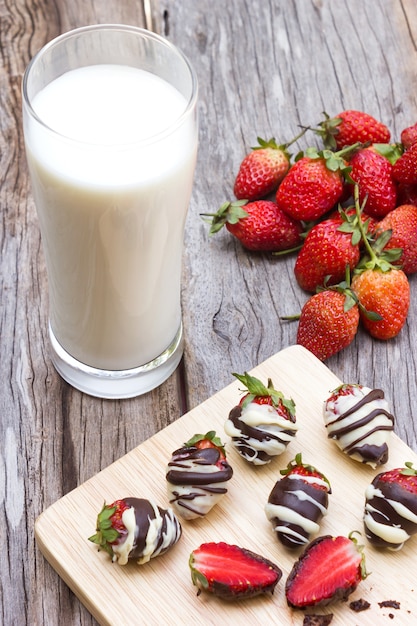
349	211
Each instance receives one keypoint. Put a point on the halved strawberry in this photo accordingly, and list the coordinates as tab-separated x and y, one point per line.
330	568
232	572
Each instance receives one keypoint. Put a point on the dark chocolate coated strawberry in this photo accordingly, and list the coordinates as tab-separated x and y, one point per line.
297	503
263	423
390	517
197	475
135	529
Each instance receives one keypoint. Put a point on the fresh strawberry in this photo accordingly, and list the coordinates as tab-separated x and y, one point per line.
402	222
391	507
313	185
297	503
329	569
260	226
386	293
350	127
405	168
407	194
135	529
409	136
373	172
261	170
232	572
383	292
263	423
328	322
329	247
197	475
358	419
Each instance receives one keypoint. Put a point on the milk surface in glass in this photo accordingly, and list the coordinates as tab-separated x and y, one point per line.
112	210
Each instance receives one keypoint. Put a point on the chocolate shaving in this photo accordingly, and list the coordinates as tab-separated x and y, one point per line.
392	604
317	620
359	605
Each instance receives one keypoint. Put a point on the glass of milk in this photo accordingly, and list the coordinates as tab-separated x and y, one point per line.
110	127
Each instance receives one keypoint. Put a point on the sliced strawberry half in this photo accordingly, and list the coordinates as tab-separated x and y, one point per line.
231	572
330	568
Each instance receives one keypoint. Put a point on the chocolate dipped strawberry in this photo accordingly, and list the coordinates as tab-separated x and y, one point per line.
297	503
135	529
358	419
232	572
263	423
329	569
391	508
197	476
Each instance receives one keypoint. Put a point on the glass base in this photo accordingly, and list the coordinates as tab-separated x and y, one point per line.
117	384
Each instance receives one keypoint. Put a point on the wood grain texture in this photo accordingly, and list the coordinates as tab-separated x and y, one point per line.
164	584
264	68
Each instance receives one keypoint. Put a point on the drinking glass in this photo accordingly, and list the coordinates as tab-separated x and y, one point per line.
110	127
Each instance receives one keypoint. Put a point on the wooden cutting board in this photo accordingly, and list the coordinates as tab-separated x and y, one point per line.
161	591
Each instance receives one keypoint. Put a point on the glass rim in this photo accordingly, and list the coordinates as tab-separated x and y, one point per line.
191	102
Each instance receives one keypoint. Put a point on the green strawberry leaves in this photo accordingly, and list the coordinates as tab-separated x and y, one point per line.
105	534
256	388
210	436
228	213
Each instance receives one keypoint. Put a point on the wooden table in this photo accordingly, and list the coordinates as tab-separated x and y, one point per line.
264	68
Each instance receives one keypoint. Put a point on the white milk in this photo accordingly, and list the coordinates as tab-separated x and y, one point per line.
112	216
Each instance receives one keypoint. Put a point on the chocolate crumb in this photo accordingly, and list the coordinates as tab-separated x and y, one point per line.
392	604
359	605
317	620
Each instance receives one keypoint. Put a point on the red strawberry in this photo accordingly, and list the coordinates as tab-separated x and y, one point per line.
386	293
402	221
373	172
329	569
409	136
263	423
391	507
261	170
135	529
197	475
328	323
382	291
231	572
405	168
350	127
313	185
260	226
297	503
329	247
407	194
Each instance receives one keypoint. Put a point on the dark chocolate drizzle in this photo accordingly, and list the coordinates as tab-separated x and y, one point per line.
368	452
